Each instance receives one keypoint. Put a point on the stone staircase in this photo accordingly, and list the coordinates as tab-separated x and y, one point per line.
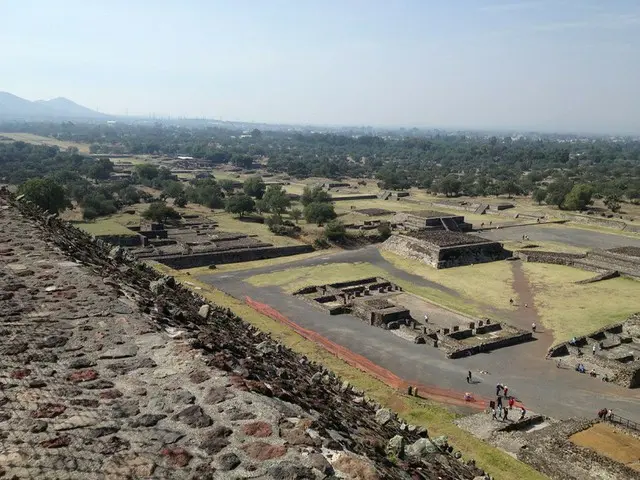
481	209
385	195
450	225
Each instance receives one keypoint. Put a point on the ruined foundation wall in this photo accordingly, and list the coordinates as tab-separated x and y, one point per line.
232	256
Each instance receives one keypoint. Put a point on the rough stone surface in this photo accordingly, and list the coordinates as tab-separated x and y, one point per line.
104	379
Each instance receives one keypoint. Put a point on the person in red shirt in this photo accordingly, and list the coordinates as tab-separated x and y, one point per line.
511	402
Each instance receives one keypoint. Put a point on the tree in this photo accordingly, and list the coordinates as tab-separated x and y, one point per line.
240	204
276	199
335	231
319	213
557	191
243	161
539	194
172	189
101	169
227	185
510	188
180	200
46	193
296	214
579	197
147	171
206	192
612	202
254	186
160	212
314	195
449	185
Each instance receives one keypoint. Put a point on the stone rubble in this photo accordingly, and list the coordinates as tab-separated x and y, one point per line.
102	378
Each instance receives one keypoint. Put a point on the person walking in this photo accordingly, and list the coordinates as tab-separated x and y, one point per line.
499	401
469	376
506	391
593	350
511	403
523	412
533	327
498	388
493	413
505	414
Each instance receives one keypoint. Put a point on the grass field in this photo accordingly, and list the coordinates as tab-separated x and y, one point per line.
543	247
437	418
572	310
234	267
38	140
105	227
294	278
484	283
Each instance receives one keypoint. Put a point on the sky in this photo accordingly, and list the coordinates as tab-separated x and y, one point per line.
557	65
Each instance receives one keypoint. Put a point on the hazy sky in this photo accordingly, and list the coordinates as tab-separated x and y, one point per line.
552	65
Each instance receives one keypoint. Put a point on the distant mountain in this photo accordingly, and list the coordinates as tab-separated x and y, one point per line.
14	107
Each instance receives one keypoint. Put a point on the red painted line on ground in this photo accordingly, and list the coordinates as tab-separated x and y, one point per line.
355	360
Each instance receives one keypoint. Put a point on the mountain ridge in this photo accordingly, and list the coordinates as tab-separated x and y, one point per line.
18	108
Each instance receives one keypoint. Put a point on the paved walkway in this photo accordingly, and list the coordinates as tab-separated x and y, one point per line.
542	387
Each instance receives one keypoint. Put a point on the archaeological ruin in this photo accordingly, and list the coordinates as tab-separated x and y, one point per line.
444	248
383	304
111	370
623	261
611	353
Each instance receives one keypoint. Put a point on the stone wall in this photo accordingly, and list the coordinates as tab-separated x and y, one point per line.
123	240
502	342
556	258
231	256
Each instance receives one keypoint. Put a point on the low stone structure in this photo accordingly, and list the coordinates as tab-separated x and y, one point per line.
111	370
624	260
617	352
364	298
445	249
432	220
545	444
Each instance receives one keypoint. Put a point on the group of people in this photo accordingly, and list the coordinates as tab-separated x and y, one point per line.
500	411
605	414
525	237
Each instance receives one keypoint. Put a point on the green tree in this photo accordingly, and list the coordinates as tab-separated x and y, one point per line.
539	194
314	195
180	200
296	214
579	197
612	202
101	169
557	191
46	193
276	199
319	213
227	185
240	204
449	185
172	189
160	212
147	171
335	231
510	188
254	187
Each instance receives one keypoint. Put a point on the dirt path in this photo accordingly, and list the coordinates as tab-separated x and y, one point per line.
526	311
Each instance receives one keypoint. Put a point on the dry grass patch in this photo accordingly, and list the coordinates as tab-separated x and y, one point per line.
610	442
106	227
39	140
573	310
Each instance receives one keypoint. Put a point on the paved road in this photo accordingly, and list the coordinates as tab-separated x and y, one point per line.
577	237
538	383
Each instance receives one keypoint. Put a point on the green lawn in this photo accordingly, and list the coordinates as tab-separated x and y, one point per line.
105	227
436	417
295	278
572	310
483	283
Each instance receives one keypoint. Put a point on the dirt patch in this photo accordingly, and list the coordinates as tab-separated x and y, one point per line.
610	442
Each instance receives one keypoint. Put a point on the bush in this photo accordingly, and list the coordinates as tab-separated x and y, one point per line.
335	231
160	212
319	213
282	227
384	230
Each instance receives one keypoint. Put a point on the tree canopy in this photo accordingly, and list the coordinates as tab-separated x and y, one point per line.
240	204
46	193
